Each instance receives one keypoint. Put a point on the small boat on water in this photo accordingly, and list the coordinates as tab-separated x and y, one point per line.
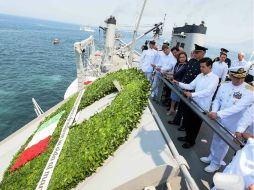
86	28
56	41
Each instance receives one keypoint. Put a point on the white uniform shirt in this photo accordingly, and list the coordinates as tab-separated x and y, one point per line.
247	121
243	163
147	58
220	69
238	63
244	103
165	62
250	68
227	99
205	86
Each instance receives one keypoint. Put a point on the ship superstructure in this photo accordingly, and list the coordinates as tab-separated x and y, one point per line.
188	35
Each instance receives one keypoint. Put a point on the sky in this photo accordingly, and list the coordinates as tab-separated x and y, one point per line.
230	23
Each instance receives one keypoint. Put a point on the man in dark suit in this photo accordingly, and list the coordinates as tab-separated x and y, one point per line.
192	70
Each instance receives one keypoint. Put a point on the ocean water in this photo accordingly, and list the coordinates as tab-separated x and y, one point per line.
31	66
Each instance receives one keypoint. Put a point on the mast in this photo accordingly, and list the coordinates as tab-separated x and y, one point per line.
141	36
135	33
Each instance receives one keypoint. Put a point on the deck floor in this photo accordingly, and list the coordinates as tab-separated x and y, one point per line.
192	155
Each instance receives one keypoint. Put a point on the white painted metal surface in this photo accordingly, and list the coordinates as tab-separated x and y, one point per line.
189	40
110	43
82	56
73	88
96	107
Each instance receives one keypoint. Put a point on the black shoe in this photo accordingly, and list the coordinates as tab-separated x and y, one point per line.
183	139
181	129
173	123
188	145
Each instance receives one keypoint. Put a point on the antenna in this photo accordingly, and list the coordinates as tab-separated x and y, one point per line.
135	33
157	32
162	27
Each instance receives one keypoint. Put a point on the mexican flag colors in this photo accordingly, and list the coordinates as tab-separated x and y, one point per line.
39	142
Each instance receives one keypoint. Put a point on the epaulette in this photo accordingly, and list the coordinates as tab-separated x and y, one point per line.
225	82
249	87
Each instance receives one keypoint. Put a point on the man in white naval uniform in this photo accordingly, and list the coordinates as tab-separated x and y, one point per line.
245	127
165	62
204	85
148	57
243	165
229	95
220	68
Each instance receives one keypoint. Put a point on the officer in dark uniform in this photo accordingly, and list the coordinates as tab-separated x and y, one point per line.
223	51
192	70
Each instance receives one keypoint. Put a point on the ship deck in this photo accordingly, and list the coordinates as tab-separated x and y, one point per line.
203	179
192	155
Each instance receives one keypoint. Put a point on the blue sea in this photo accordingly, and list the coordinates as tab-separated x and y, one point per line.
32	67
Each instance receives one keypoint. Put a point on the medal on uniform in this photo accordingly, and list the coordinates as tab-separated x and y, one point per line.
237	95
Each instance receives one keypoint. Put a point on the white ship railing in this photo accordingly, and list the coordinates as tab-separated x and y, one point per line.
37	108
183	165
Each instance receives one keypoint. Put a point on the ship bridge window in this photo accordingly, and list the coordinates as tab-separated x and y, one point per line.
182	45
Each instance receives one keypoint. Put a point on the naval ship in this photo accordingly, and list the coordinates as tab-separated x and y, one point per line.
148	158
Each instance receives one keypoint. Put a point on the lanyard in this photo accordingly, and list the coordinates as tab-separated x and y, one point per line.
178	67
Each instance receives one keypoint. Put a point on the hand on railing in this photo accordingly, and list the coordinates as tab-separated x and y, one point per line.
170	76
213	115
175	82
158	69
238	136
187	94
242	136
153	65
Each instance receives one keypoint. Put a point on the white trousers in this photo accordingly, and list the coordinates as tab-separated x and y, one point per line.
156	82
149	76
218	150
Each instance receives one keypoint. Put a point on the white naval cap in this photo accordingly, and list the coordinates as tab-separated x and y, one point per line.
238	72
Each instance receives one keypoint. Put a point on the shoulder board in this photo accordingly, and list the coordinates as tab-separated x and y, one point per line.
249	87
